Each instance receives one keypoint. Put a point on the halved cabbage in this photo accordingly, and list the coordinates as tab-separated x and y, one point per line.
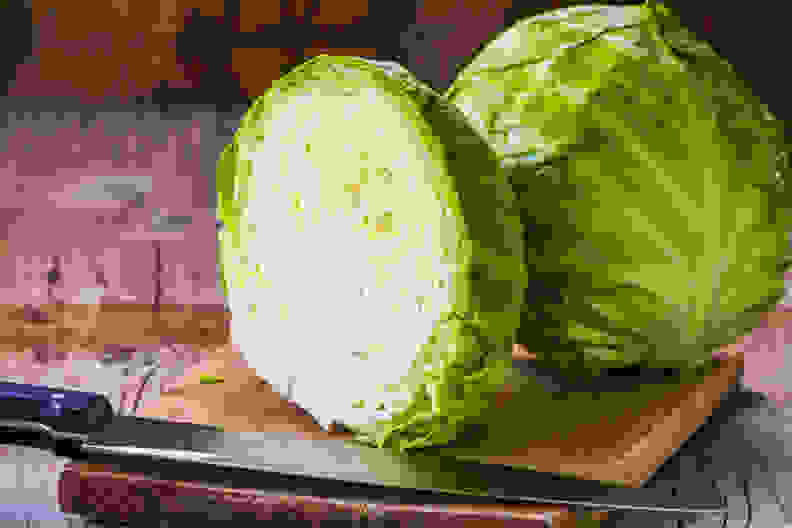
372	252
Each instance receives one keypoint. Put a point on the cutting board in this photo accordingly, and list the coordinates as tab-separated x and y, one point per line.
620	438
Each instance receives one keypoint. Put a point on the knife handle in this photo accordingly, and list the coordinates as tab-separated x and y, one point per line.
64	410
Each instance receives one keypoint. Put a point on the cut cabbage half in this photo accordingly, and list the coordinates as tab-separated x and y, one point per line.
372	254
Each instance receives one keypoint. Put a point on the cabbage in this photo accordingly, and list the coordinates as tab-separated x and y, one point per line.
372	252
651	183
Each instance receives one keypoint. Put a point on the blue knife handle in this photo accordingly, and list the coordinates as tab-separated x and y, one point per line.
64	410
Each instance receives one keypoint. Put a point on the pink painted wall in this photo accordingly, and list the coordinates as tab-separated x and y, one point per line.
41	181
68	193
766	370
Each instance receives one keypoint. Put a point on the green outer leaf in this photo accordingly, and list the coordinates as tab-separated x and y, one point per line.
224	181
661	174
210	380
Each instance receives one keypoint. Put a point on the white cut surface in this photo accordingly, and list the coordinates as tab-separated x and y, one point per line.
343	309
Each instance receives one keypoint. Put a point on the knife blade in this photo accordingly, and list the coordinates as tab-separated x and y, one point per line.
281	463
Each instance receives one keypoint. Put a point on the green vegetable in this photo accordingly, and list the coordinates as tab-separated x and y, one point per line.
372	252
208	380
651	183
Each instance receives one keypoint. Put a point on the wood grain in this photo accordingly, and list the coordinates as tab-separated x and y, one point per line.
93	326
629	448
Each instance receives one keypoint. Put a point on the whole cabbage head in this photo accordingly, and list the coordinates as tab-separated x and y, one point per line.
651	183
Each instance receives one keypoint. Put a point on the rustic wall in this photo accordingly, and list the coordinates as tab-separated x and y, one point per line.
91	198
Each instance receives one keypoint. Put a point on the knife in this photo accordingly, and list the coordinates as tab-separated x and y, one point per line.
82	426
